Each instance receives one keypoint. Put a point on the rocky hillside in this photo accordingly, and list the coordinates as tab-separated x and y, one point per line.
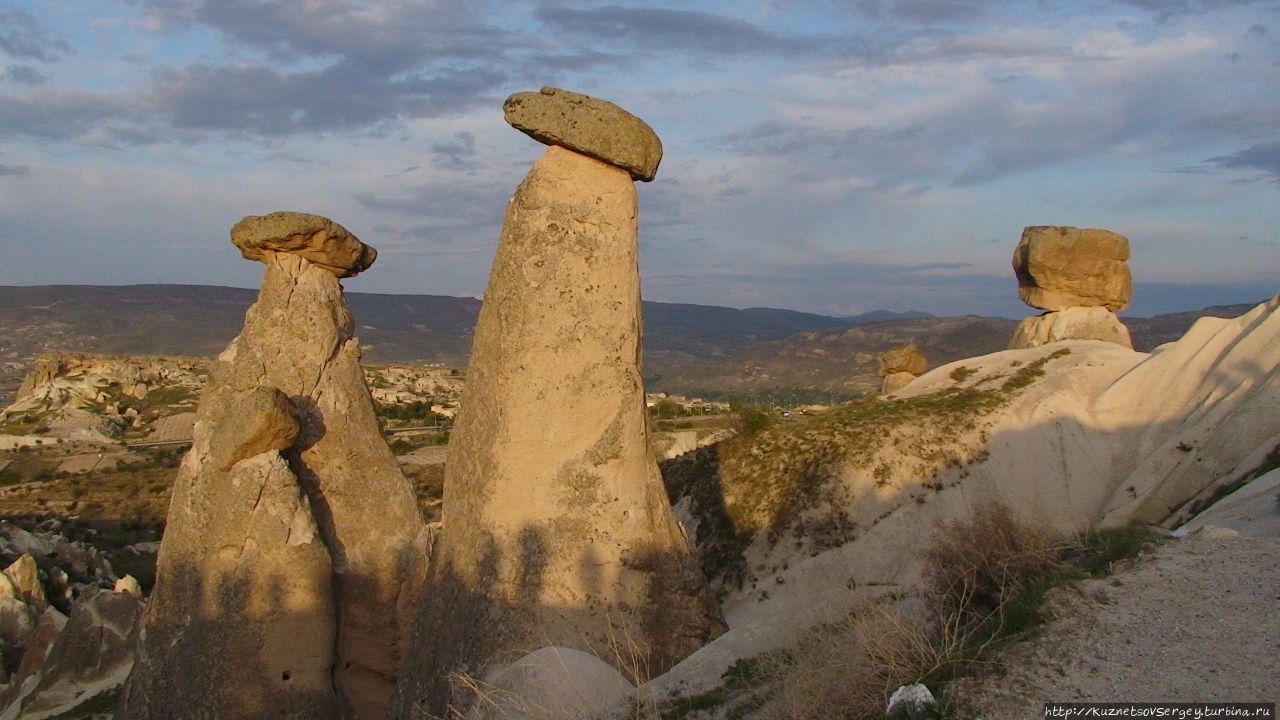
841	361
799	522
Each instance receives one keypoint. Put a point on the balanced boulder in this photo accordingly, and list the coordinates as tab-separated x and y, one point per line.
294	549
1064	267
318	239
589	126
898	367
905	359
557	528
1080	276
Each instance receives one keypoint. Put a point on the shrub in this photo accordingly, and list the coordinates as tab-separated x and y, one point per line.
977	571
751	420
846	670
667	409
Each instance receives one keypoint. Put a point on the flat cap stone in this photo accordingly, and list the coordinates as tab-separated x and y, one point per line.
1062	267
596	128
318	239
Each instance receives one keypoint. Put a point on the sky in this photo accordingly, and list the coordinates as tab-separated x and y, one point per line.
830	156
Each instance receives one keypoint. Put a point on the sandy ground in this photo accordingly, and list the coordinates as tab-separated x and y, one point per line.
1197	621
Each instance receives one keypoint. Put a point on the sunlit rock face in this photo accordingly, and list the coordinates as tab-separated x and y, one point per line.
557	529
293	551
1080	276
1062	267
1077	323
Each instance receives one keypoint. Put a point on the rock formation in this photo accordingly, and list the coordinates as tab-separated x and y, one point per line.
294	548
71	661
1077	323
1080	276
557	529
900	366
1082	434
94	398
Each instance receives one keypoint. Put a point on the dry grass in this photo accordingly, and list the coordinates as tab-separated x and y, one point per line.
984	580
477	699
975	569
846	670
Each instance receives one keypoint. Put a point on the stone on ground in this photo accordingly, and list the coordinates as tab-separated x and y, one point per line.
894	382
129	584
553	682
25	574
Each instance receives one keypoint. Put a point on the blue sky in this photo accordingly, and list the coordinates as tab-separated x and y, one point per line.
829	156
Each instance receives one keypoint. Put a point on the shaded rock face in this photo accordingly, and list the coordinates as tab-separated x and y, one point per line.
1064	267
590	126
39	644
294	548
1077	323
72	660
557	528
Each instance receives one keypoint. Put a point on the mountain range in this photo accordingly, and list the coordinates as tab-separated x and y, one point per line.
686	347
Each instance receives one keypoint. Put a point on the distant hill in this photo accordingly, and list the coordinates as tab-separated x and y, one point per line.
687	347
882	315
201	320
841	361
1160	329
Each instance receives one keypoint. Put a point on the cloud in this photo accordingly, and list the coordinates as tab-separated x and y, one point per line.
1166	9
23	75
261	100
14	170
382	35
1264	157
689	31
937	11
458	153
23	36
445	213
58	116
944	115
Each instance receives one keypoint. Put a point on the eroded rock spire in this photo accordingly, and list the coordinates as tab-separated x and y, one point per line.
557	528
294	548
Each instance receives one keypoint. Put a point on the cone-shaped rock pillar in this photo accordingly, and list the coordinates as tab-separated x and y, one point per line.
557	528
294	548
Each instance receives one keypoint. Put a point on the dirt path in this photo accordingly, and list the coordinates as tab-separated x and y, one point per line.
1197	621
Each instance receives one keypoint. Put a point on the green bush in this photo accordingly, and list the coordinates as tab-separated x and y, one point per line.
751	420
667	409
